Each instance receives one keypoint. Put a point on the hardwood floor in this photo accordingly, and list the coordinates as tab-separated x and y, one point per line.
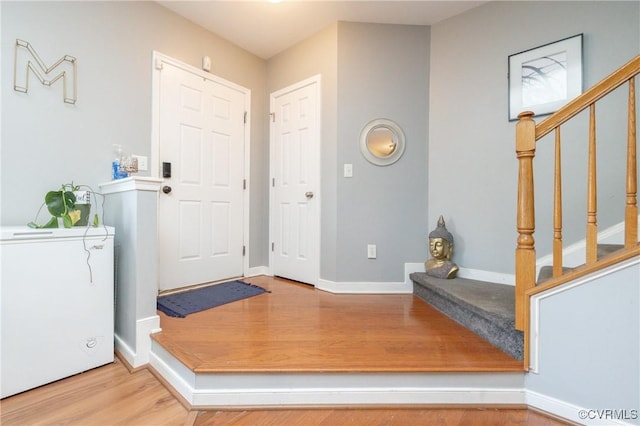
373	417
297	328
107	395
111	395
291	328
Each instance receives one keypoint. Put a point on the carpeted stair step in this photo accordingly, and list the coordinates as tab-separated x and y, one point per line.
485	308
546	272
606	249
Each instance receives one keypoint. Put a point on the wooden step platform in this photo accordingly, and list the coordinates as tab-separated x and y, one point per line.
298	345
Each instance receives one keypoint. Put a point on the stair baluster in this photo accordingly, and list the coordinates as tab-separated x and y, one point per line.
527	134
631	208
592	192
557	210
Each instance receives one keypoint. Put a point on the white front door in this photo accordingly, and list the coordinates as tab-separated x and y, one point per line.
295	182
200	210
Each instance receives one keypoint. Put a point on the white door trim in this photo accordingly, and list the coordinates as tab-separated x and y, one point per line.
156	65
316	79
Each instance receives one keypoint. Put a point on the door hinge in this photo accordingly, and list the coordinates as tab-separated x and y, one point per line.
273	246
244	184
159	64
273	117
273	182
244	250
245	117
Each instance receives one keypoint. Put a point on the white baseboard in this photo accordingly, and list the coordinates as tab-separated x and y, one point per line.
258	270
181	379
139	355
364	287
358	397
489	276
369	287
398	287
124	350
577	414
144	328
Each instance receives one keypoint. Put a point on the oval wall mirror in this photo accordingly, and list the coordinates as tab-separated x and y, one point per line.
382	142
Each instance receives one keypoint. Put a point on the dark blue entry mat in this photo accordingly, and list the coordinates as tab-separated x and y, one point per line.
188	302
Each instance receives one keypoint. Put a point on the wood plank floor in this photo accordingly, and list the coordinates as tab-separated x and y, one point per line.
107	395
291	328
296	328
379	417
111	395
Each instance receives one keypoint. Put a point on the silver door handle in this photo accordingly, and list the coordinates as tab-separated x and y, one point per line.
309	195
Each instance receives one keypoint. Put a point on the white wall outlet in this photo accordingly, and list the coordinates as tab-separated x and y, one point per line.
142	163
371	251
348	170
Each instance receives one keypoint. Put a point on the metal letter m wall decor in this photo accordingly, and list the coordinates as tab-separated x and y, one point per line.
27	60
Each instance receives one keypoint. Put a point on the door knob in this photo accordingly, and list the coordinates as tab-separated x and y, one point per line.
309	195
166	189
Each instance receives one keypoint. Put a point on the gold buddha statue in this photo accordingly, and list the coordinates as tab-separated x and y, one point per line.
441	248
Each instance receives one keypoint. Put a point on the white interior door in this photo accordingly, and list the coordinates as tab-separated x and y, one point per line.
200	208
295	182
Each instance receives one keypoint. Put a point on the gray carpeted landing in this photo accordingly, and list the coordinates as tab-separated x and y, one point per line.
485	308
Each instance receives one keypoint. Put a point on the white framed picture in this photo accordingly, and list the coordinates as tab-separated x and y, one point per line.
545	78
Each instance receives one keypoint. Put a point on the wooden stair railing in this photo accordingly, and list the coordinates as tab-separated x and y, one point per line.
527	134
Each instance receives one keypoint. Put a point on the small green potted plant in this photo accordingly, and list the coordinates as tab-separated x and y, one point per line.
70	204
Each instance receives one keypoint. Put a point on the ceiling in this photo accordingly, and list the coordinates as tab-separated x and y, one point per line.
266	29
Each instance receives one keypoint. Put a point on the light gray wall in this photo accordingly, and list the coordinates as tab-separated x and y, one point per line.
368	71
383	72
316	55
46	143
471	170
590	347
472	164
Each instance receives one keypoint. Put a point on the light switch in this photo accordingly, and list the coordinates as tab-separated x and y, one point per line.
142	163
348	170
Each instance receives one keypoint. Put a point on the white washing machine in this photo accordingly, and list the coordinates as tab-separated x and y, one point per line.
57	304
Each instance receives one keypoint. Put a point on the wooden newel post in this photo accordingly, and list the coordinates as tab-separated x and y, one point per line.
525	250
